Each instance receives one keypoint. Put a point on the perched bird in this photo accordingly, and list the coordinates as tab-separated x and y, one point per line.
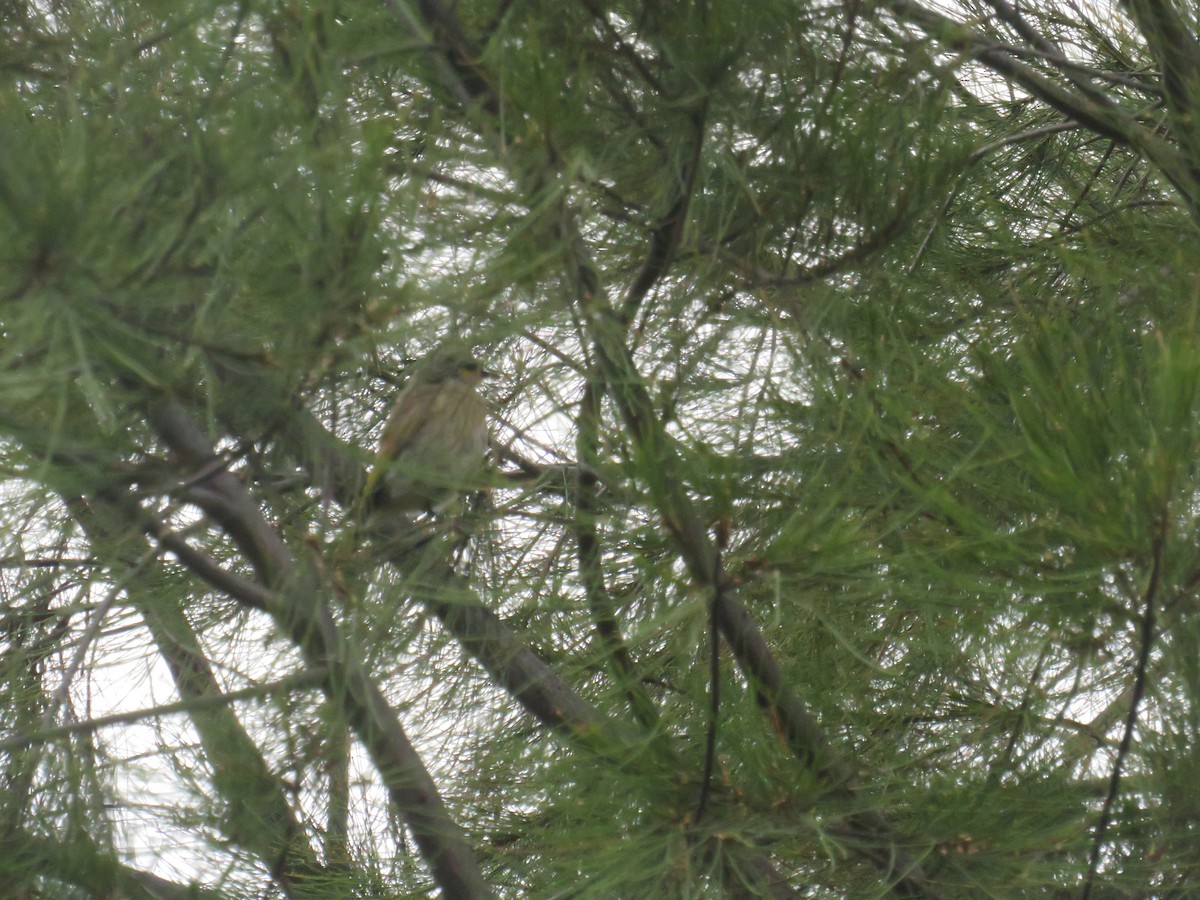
433	443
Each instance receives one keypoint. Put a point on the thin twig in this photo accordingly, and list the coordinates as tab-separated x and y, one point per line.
89	635
1146	641
300	680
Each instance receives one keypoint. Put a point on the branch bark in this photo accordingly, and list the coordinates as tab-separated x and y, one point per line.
295	605
81	863
1094	112
1177	51
258	815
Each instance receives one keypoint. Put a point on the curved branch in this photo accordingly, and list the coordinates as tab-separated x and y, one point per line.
1177	51
81	862
1097	113
257	815
299	612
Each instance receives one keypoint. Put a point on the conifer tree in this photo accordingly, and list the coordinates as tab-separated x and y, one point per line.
837	535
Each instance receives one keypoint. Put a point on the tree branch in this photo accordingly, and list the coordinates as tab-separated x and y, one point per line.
299	681
81	863
661	466
257	813
1100	115
300	614
1177	52
502	653
591	570
1146	635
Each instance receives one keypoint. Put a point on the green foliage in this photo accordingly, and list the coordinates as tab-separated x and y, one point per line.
865	337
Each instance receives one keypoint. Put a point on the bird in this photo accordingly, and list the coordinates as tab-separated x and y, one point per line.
432	448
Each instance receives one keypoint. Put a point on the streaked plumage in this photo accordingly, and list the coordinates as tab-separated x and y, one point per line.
435	438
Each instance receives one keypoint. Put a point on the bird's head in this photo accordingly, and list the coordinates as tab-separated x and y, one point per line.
451	360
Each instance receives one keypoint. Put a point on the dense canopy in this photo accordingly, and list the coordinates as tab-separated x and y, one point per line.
838	533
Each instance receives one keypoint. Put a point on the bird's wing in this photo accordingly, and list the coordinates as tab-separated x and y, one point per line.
406	419
403	424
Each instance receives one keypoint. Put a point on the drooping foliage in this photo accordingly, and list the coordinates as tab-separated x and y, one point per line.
840	537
